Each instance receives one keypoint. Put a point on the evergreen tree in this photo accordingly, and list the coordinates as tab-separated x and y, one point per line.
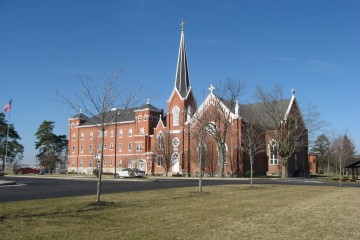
349	152
322	148
14	149
51	146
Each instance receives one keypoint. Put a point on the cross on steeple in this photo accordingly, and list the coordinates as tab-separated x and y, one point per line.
182	81
182	25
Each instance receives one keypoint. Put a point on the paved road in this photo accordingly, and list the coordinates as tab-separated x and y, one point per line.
40	187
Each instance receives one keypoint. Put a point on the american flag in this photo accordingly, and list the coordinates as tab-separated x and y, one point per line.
8	106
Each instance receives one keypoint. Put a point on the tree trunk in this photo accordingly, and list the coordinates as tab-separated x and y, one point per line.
251	170
283	167
328	166
200	180
98	191
221	158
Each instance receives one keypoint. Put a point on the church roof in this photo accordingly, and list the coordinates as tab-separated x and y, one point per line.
248	111
182	80
119	115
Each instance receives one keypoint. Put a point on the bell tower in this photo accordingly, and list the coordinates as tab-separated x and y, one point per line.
181	105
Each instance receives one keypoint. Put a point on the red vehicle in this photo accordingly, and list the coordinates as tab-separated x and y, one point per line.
26	170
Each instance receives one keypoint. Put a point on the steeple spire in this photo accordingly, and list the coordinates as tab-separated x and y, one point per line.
182	81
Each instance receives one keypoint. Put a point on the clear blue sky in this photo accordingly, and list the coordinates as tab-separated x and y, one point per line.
310	45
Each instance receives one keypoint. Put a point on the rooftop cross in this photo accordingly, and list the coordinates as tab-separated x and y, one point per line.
211	88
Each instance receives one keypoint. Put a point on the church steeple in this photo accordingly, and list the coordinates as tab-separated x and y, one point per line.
182	81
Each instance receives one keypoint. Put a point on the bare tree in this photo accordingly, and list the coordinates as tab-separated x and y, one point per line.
252	142
163	149
288	127
343	151
199	134
220	117
95	98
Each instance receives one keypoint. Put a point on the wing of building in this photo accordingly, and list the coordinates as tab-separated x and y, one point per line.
161	143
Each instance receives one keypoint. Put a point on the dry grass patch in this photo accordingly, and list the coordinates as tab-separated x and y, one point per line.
222	212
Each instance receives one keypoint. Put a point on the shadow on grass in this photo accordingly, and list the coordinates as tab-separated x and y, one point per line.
101	204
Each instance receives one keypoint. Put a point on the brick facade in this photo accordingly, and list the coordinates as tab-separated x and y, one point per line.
132	139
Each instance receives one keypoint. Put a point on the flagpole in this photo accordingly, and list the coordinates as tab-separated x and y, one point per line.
7	109
6	143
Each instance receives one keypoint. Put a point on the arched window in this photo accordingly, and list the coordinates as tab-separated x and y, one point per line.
160	140
273	152
176	116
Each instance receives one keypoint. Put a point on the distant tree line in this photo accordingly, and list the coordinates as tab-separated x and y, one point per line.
333	151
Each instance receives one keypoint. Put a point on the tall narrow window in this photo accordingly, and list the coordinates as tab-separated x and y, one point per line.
81	136
175	116
273	153
73	137
139	148
160	161
160	140
120	133
91	135
130	132
142	131
120	147
90	148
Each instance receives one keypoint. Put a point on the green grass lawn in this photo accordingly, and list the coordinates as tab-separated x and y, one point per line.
221	212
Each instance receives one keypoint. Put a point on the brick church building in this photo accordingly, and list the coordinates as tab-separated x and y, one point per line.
161	143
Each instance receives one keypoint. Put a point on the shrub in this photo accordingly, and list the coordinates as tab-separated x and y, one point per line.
16	168
96	172
248	174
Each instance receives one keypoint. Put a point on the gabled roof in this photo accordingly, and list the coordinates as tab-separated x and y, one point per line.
248	112
182	80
